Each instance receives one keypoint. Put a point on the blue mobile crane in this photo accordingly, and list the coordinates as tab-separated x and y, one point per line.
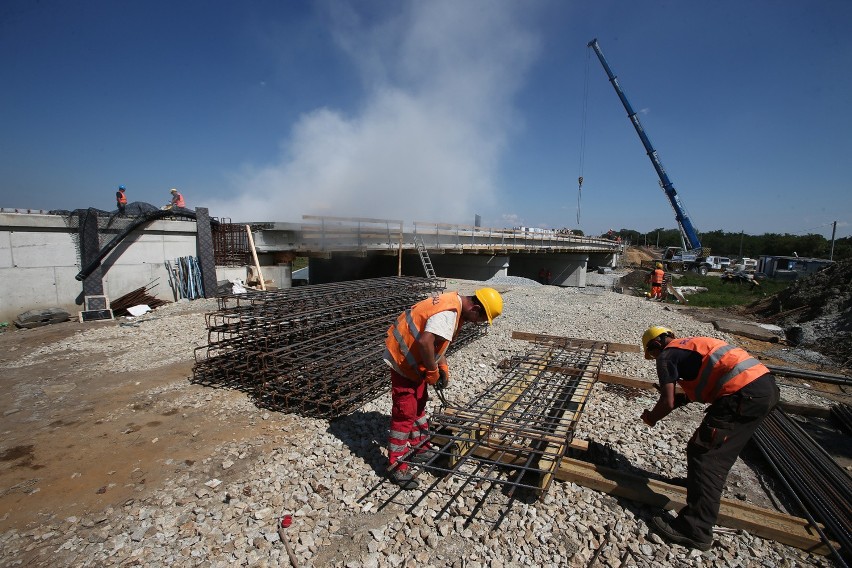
691	255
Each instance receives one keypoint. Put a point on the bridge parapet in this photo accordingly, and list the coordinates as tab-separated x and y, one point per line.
326	234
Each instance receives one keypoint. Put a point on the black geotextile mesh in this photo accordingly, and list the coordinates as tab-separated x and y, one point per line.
110	223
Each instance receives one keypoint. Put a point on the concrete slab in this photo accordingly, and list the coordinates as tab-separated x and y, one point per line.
745	329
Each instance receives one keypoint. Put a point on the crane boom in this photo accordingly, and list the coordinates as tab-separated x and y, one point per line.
687	231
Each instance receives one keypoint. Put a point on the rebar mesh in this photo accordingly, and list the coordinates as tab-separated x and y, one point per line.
517	431
312	350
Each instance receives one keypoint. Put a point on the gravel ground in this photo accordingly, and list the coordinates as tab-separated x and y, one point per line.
222	512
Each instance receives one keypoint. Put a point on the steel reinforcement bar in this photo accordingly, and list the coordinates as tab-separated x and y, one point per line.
819	485
314	350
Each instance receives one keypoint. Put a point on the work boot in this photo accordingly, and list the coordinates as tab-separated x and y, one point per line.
426	456
664	527
403	478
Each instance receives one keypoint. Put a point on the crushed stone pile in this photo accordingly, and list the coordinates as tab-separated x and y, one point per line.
221	511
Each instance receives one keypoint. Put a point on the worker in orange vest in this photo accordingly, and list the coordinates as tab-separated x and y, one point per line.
121	199
414	350
741	393
656	277
177	199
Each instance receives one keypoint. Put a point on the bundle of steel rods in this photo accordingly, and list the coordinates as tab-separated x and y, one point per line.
820	486
135	298
312	350
842	415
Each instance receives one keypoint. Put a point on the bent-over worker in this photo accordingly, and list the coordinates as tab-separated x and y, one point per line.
741	393
414	350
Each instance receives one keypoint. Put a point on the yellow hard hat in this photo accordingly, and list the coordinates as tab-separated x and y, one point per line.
659	265
652	333
491	300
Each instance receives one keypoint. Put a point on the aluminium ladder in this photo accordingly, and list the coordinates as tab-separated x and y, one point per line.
424	257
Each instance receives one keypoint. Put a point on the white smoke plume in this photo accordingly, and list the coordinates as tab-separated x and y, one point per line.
439	79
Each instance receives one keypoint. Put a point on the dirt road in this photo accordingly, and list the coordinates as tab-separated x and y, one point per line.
76	443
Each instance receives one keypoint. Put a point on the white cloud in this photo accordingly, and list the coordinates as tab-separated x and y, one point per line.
439	80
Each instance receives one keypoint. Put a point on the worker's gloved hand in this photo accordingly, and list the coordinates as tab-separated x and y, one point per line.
431	376
443	379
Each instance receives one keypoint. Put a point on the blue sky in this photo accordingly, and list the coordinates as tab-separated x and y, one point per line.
434	110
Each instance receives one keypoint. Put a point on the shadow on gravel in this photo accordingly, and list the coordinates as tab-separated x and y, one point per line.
366	436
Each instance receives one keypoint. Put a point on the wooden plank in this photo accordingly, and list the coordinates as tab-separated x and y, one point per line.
254	256
576	342
671	290
765	523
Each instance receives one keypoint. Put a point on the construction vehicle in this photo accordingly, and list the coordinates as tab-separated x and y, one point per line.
690	255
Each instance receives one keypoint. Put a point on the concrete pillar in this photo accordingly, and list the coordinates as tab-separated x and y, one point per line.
204	246
90	247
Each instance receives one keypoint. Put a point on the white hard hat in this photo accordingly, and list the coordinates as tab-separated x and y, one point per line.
174	190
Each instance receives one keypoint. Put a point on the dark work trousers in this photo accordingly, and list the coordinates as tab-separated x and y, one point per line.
713	449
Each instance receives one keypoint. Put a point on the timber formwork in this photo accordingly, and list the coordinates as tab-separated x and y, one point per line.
516	433
311	350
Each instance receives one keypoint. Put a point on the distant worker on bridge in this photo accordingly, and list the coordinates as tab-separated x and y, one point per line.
121	199
414	350
657	276
177	199
741	392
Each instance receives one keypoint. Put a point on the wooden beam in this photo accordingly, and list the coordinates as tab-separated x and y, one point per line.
575	342
765	523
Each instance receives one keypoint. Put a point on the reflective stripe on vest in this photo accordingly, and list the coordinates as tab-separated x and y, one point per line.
406	330
724	370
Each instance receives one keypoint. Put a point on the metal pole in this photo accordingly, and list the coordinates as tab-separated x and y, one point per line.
833	229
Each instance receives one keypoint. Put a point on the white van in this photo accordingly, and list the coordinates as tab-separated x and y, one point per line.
745	265
717	262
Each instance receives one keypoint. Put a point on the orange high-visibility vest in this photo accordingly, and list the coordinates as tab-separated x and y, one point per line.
403	334
724	370
657	277
122	198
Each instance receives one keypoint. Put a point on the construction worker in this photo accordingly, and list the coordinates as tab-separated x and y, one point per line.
656	277
741	393
121	199
414	350
177	199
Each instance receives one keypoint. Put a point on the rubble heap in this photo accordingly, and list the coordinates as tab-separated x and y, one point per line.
821	305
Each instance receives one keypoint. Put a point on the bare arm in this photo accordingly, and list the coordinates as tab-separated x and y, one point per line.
426	344
665	404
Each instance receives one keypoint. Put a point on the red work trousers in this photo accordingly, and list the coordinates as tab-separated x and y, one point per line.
408	426
657	291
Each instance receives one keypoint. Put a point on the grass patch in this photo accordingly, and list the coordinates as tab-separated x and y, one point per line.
300	262
723	294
